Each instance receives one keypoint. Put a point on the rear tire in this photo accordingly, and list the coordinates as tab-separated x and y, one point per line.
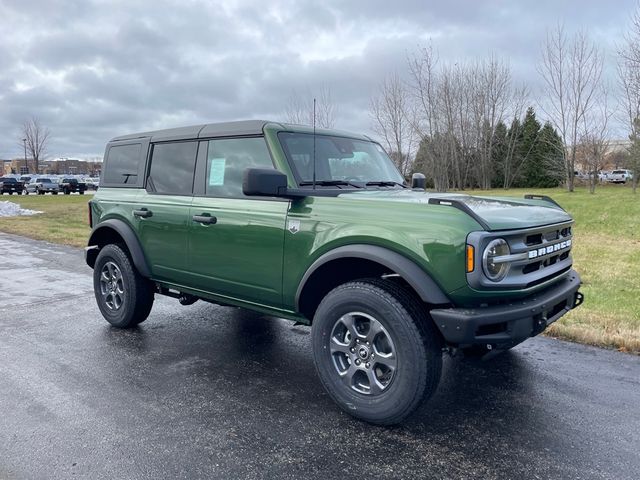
382	381
124	296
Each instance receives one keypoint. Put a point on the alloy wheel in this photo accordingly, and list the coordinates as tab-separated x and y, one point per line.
363	353
112	286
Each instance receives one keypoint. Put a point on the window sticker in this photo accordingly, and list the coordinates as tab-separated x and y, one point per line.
216	172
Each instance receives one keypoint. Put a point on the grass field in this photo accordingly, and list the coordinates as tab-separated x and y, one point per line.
64	218
606	253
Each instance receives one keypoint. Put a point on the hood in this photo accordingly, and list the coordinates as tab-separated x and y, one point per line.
496	213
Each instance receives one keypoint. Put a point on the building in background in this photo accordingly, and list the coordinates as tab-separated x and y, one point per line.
58	166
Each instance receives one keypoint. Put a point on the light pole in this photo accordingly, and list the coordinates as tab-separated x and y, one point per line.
26	167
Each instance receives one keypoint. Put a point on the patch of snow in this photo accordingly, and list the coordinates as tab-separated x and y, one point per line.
10	209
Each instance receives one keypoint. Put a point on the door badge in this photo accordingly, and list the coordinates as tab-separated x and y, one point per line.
293	226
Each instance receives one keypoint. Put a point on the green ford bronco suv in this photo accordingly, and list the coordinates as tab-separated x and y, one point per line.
319	227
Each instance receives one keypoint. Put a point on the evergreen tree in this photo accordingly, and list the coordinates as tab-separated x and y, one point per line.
550	169
499	154
528	151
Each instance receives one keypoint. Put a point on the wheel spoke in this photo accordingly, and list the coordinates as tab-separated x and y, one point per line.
104	277
375	328
388	360
117	301
337	346
347	375
349	322
374	386
110	268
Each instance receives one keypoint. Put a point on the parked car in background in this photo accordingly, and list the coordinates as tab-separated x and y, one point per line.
10	185
603	176
92	183
42	185
70	185
620	176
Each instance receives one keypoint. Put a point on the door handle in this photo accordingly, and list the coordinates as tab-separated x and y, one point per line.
142	213
205	219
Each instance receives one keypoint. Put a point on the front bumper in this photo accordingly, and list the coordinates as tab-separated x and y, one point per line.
503	326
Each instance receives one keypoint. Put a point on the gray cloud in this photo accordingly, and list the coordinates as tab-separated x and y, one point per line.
91	70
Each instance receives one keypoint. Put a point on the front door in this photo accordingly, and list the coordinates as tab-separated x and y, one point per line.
236	242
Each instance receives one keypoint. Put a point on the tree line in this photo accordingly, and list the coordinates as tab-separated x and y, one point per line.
468	124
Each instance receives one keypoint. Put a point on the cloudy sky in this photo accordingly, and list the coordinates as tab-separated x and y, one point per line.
91	70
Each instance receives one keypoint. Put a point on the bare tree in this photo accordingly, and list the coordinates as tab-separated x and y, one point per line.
433	119
459	106
571	69
594	140
390	114
629	80
299	108
36	138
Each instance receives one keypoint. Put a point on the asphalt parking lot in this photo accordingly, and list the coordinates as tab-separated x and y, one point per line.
213	392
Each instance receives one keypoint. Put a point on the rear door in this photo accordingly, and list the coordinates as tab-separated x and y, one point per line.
163	212
235	242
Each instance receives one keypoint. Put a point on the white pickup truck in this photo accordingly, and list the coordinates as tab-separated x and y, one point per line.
619	176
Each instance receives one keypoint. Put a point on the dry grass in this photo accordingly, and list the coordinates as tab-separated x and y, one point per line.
64	218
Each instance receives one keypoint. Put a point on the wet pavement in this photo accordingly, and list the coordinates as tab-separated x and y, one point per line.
215	392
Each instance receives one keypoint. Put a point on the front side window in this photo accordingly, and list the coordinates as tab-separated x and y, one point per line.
337	159
172	168
122	165
228	158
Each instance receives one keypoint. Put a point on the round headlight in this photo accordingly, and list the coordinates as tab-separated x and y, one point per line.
494	269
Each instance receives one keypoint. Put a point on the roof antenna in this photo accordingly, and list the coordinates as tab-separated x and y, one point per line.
314	143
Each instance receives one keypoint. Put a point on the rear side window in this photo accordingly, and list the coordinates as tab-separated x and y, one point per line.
227	160
122	165
172	168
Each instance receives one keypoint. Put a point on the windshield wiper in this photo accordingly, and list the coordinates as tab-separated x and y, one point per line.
331	183
385	183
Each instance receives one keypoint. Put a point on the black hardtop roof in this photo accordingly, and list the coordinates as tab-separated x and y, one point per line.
244	127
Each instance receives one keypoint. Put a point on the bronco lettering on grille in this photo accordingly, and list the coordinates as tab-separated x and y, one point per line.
548	250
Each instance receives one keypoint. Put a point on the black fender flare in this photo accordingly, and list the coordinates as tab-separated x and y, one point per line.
416	277
130	239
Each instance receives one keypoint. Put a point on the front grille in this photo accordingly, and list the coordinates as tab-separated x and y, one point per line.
539	254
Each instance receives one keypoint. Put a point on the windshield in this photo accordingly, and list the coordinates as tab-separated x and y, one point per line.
338	160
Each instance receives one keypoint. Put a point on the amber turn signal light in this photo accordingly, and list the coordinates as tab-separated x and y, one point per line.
470	258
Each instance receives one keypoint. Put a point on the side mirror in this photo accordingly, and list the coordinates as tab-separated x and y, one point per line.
267	182
418	181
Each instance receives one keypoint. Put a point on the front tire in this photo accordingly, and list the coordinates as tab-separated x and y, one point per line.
376	351
124	296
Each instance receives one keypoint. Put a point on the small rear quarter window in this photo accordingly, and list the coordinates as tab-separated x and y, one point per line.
122	165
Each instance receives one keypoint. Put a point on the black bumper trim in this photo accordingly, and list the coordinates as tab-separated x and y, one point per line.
504	326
